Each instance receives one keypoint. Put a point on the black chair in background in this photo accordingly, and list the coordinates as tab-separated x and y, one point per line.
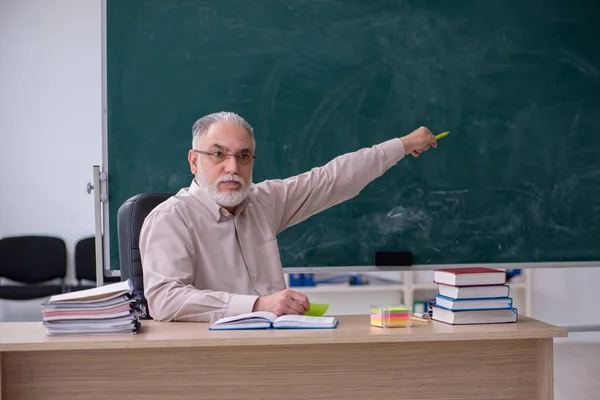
32	261
130	218
85	265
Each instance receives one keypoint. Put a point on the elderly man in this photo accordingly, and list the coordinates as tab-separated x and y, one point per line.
210	251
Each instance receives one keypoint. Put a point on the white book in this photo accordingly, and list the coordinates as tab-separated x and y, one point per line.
89	316
101	293
267	320
474	292
474	316
85	321
94	331
90	325
90	306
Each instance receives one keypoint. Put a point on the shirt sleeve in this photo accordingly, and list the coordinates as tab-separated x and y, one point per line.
293	200
167	255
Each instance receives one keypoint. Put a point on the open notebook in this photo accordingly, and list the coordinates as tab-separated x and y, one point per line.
267	320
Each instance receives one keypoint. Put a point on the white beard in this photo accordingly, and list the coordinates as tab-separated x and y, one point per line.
223	199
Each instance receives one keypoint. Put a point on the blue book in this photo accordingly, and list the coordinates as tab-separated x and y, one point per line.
496	303
267	320
296	280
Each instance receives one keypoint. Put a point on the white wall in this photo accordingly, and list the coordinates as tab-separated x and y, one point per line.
568	297
50	137
50	118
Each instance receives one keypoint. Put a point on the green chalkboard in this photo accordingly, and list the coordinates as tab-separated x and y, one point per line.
516	82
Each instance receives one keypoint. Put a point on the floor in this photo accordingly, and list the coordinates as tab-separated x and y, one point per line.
577	371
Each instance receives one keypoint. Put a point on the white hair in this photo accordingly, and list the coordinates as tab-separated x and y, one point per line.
203	124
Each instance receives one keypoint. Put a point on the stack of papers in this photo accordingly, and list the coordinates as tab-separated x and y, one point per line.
103	310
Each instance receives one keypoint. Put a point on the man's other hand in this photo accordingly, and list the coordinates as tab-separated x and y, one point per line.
418	141
282	303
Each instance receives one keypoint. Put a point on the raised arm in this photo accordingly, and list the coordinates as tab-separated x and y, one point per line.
295	199
168	256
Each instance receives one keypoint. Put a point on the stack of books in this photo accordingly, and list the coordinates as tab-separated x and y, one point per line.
472	296
103	310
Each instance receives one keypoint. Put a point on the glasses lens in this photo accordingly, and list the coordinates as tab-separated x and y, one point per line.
243	158
218	156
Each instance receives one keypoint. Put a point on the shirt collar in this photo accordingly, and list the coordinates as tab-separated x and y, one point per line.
241	207
215	210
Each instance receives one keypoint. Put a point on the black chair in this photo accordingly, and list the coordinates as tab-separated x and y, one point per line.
85	263
130	218
32	261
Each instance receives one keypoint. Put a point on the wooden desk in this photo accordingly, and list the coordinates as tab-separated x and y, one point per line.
354	361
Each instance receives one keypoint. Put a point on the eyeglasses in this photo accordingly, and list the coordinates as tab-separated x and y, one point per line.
220	156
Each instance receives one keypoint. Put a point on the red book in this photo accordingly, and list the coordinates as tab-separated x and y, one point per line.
474	276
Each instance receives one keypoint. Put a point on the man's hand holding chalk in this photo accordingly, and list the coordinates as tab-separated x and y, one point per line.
420	140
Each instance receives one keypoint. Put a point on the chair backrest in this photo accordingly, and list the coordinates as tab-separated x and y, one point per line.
130	218
32	260
85	264
85	259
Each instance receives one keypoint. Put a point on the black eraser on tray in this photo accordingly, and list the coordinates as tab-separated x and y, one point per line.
392	258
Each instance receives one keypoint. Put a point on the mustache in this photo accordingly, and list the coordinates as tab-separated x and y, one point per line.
231	178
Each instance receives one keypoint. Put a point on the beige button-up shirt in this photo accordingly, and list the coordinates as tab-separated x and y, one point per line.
202	263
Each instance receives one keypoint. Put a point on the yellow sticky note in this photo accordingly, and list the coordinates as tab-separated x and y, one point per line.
317	310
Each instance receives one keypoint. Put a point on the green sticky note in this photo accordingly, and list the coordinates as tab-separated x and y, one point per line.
398	309
317	310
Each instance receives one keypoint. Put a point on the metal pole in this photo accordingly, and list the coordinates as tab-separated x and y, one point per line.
97	223
105	168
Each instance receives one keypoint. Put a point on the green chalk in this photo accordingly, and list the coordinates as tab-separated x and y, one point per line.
442	135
